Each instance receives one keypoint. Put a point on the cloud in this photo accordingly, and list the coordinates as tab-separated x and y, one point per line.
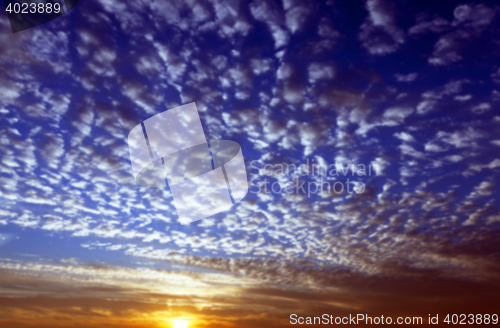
296	14
446	49
470	21
53	149
379	33
433	98
460	139
436	25
276	79
476	16
320	71
481	108
406	78
98	294
404	136
273	17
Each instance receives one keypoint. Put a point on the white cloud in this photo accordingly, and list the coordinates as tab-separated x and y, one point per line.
481	108
437	25
379	34
469	22
320	71
406	78
274	18
296	15
404	136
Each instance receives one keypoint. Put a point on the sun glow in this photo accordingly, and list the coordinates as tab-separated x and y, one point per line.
180	323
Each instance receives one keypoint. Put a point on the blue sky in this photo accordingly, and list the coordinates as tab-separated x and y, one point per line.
412	88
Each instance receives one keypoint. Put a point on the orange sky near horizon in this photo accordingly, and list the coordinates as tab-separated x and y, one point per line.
50	295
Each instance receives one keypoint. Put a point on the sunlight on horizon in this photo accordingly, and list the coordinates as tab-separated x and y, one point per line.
180	323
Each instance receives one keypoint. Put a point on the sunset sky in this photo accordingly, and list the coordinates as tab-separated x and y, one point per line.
411	88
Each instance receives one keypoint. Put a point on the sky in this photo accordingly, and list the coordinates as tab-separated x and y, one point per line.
405	92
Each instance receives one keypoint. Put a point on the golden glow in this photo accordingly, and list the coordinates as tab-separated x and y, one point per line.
180	323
